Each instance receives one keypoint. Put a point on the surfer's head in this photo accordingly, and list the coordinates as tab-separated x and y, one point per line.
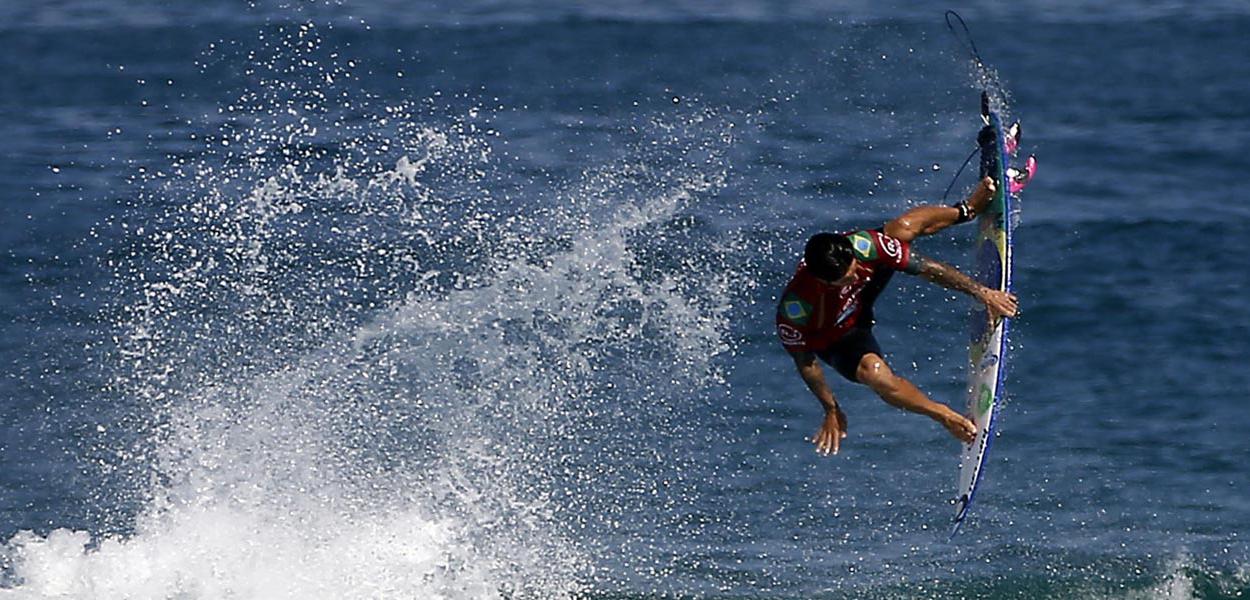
828	256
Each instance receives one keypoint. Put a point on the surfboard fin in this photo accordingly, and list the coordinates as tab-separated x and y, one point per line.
1012	138
1017	179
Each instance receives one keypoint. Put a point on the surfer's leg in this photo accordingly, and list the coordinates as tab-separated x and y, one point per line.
897	391
929	219
845	354
873	372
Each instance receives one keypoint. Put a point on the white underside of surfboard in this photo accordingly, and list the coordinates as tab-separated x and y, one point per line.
988	347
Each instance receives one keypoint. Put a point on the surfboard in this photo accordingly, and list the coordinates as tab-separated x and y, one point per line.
987	351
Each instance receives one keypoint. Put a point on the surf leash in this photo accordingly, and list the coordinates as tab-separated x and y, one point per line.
947	193
969	44
966	39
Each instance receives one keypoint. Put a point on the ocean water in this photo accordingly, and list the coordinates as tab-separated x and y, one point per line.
474	300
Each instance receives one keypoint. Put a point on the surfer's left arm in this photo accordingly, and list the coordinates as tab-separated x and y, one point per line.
833	428
999	303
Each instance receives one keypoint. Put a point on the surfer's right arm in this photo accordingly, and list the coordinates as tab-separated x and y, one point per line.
833	428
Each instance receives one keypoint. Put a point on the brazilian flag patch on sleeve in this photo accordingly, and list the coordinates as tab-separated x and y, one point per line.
864	247
795	310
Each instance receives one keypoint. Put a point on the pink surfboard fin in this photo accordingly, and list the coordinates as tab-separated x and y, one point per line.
1012	138
1017	180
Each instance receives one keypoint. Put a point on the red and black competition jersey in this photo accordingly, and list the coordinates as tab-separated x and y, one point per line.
813	314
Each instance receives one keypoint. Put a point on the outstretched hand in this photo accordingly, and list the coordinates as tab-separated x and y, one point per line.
999	303
829	438
960	426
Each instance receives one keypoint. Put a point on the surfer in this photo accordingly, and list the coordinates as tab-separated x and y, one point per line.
826	310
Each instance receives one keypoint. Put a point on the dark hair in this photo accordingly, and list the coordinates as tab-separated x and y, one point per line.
828	256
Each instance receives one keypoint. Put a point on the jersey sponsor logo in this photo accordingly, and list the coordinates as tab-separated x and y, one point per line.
892	246
795	309
852	290
790	336
862	244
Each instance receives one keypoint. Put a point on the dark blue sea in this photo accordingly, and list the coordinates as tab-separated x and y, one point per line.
475	299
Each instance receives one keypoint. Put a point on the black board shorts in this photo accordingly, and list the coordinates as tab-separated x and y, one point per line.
845	354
